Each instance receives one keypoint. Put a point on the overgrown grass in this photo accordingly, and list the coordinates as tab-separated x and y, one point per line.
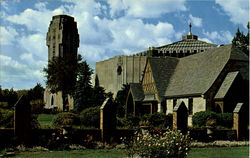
215	152
45	120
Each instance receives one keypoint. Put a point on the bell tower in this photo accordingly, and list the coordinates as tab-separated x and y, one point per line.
62	37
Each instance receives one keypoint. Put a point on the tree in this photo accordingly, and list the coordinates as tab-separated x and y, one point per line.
36	92
120	100
241	41
61	75
84	90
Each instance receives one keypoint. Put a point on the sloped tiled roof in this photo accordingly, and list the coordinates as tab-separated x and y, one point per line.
227	83
195	74
137	92
162	69
187	44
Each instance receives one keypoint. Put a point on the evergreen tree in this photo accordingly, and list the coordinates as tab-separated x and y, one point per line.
241	41
36	92
120	100
82	95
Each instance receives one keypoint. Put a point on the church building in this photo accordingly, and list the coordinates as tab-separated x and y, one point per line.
214	80
114	72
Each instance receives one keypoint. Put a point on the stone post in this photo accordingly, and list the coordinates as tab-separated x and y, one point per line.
107	120
180	117
237	120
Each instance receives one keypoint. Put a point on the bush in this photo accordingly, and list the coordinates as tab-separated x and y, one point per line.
65	119
199	119
204	118
158	145
90	117
37	106
225	120
6	118
158	120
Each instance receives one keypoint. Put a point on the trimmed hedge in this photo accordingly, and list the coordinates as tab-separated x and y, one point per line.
154	120
200	119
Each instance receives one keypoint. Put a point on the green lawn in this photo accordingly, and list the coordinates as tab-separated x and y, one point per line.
45	120
215	152
220	152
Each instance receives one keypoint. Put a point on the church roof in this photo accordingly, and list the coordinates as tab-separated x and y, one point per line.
137	92
192	75
187	44
162	69
227	83
195	74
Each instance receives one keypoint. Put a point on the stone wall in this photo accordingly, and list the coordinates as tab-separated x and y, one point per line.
199	104
57	101
131	70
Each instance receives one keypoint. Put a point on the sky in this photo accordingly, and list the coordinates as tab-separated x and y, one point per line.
107	28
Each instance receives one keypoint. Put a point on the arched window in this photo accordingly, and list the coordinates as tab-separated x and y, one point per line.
52	101
119	70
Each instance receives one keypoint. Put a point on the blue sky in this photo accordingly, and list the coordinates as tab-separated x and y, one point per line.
107	28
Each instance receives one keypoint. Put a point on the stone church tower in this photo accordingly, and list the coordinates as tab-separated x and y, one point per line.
62	41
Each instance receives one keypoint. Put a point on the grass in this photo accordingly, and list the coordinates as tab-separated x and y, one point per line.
220	152
215	152
74	154
45	120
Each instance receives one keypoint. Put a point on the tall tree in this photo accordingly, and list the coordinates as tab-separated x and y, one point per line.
83	92
241	41
36	92
61	75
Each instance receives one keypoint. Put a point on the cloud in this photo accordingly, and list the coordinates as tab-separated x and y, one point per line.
35	44
195	20
238	11
223	36
7	35
145	8
17	75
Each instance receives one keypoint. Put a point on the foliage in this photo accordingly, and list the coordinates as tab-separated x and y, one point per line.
83	91
225	120
90	117
153	120
34	122
36	92
158	144
120	100
209	118
6	118
130	122
241	41
9	96
158	120
37	106
65	119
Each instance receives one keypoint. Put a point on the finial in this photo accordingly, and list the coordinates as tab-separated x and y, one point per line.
190	25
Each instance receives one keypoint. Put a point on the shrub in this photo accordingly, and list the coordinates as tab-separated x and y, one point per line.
37	106
65	119
90	117
6	118
225	120
158	120
158	145
204	118
199	119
